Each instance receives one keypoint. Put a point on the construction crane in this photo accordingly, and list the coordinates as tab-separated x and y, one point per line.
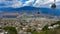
53	5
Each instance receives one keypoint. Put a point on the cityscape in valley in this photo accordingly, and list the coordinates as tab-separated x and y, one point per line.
30	19
23	21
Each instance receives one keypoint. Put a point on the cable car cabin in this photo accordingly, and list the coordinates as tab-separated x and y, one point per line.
53	5
38	12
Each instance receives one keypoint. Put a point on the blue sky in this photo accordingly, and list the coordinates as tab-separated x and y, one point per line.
21	3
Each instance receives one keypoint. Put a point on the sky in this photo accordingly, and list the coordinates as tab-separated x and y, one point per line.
22	3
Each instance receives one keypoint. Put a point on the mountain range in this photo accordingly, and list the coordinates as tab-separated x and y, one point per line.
29	9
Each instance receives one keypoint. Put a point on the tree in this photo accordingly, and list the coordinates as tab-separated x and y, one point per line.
45	27
11	30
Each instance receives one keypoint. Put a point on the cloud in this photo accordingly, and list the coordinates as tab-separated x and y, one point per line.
45	3
28	3
39	3
21	3
13	3
17	4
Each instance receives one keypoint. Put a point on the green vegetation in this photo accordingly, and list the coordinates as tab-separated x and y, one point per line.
45	27
35	32
11	30
29	30
58	22
55	31
45	30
